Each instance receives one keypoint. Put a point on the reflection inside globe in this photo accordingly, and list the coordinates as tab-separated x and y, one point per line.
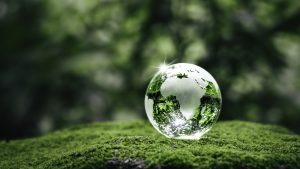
183	101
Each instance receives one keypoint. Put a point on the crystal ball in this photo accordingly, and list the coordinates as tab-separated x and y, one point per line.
183	101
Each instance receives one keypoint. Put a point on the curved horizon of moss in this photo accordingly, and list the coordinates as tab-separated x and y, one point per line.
136	144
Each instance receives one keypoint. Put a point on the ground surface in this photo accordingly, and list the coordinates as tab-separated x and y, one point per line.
136	144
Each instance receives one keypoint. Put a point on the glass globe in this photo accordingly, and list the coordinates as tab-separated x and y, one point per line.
183	101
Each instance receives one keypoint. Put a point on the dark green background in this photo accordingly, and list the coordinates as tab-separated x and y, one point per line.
65	62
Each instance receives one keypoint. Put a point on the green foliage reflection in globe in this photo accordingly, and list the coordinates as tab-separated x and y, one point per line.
183	101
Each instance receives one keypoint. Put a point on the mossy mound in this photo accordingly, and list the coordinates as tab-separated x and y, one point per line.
136	144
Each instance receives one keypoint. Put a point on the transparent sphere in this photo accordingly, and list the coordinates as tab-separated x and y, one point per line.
183	101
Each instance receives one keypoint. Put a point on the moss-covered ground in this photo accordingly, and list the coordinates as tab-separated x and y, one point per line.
232	144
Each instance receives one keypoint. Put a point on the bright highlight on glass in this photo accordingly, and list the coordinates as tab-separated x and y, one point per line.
183	101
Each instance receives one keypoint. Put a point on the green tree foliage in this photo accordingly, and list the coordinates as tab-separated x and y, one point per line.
66	62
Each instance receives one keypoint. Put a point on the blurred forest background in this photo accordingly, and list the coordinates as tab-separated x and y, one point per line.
66	62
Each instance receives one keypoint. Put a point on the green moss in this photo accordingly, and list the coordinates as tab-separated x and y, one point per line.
136	144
